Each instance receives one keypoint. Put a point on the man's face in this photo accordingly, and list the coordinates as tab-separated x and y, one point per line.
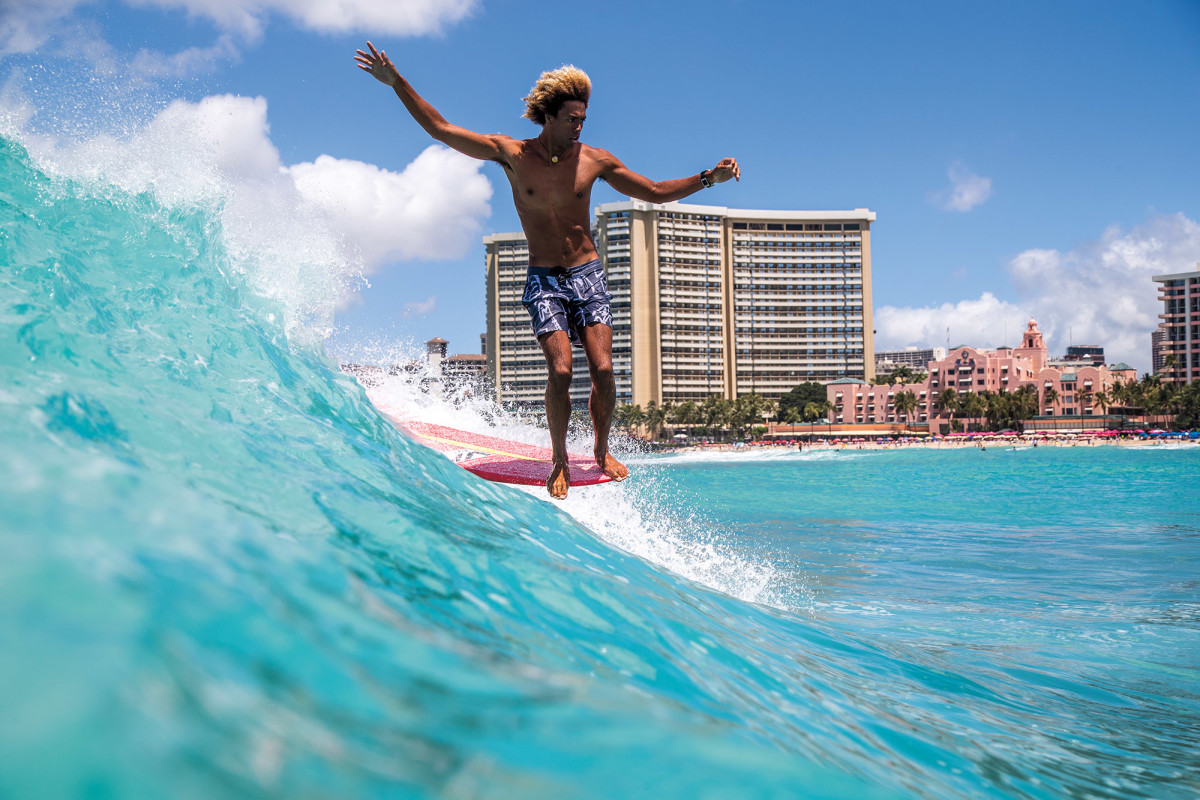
567	125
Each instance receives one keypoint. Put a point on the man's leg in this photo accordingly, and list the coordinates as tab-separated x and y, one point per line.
597	346
557	348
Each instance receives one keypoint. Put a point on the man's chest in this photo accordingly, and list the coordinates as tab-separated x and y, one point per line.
548	184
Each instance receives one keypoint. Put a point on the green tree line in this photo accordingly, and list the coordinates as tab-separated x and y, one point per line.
721	418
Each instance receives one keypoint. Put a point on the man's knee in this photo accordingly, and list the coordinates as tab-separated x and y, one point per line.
558	376
602	373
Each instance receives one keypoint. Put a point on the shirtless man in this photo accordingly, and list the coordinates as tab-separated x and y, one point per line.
566	292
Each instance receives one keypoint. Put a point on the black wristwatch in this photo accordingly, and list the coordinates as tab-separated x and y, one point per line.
705	181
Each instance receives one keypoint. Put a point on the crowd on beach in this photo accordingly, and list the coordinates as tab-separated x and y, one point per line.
979	440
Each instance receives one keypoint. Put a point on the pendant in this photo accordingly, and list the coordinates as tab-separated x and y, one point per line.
554	159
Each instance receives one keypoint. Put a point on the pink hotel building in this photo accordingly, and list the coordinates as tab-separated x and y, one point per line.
969	369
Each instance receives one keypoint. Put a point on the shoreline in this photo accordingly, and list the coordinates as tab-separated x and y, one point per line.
995	442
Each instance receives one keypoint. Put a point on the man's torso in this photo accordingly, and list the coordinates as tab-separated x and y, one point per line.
553	201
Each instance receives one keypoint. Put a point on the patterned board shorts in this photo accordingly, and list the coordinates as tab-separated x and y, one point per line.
559	299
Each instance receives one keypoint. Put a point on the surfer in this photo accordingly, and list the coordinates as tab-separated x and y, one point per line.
566	291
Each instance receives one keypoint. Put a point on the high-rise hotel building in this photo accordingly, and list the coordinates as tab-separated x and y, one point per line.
706	300
1177	353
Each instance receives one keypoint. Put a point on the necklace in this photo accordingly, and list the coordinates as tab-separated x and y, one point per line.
553	158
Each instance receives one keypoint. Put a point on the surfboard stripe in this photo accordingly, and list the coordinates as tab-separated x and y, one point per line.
499	459
476	447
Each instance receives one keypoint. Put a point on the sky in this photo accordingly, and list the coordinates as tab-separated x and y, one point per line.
1024	159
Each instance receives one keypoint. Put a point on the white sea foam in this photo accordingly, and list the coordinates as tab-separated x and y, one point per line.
305	235
754	455
1164	446
643	516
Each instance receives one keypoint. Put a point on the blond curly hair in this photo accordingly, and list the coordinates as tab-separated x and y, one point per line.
554	88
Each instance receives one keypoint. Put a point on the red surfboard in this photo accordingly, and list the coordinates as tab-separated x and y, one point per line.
500	460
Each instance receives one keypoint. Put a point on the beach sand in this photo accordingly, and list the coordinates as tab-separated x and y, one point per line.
957	443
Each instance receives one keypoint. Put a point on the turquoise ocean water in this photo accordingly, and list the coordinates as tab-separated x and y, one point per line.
224	574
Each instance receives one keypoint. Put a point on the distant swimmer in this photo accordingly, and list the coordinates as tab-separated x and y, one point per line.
566	290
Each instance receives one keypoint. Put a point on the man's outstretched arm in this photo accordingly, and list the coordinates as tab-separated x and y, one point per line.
639	187
476	145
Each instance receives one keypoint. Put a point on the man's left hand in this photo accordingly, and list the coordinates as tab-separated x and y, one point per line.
728	168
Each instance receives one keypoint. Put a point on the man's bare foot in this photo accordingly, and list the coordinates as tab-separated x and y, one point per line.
612	468
559	481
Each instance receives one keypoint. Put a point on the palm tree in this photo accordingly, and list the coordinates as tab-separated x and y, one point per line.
1049	398
656	415
771	408
1025	403
717	412
902	374
686	414
972	405
947	400
749	409
1170	364
630	417
826	409
1084	397
997	409
947	403
1188	406
906	403
1173	403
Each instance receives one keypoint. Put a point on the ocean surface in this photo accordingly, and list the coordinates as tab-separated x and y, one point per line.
223	573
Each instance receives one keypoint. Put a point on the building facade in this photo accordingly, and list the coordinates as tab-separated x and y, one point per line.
1061	392
1177	354
721	301
706	300
1157	337
1089	353
886	361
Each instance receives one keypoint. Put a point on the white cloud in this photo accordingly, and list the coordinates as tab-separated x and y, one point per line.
421	308
967	190
192	61
431	210
1099	293
979	322
1102	292
26	24
248	17
29	25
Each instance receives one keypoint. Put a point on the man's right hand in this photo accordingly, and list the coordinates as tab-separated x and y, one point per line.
378	64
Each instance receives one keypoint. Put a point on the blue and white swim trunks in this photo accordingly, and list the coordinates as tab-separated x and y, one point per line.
560	299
